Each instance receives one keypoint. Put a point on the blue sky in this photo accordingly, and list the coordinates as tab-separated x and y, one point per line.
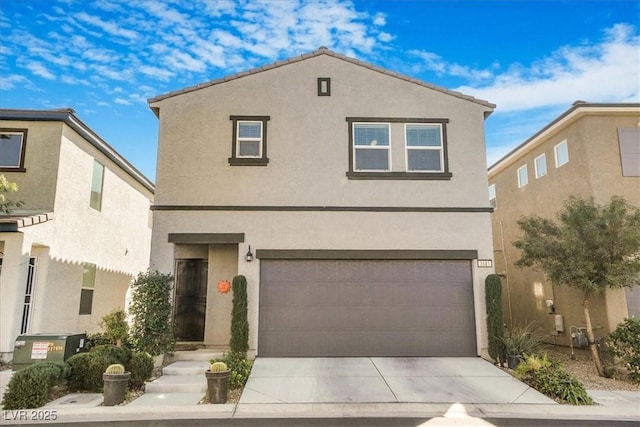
105	58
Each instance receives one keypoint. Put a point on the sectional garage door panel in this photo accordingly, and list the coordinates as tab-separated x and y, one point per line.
366	308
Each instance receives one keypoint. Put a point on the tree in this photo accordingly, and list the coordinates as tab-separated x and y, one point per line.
592	247
239	342
495	322
6	186
150	308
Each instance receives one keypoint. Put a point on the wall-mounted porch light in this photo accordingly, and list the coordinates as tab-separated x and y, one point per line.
249	256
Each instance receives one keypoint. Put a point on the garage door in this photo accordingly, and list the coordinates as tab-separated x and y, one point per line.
366	308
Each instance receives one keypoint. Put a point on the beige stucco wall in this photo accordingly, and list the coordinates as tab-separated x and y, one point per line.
116	239
594	170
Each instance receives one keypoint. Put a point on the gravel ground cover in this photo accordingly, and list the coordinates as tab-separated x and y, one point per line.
583	369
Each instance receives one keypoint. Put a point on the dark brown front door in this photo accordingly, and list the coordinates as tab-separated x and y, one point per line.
191	299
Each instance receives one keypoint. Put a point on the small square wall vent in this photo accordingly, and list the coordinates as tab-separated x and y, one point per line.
324	86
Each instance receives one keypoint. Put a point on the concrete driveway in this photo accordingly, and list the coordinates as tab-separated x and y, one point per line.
384	380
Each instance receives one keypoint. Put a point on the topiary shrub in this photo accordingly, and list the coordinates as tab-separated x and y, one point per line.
151	312
239	342
87	368
495	321
32	386
624	342
239	368
550	379
141	368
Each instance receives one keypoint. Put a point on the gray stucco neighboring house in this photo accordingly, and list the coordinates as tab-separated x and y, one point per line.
351	197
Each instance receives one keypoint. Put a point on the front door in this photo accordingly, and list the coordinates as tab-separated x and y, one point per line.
191	299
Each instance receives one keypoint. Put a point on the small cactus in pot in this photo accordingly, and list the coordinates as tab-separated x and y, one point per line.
217	382
116	381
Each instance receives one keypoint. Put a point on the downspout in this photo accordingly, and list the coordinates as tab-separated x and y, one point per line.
506	275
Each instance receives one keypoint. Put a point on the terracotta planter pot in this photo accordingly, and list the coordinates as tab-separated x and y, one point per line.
217	385
115	388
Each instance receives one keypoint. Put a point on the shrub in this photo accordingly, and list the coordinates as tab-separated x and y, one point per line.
141	368
239	342
116	327
97	339
239	366
549	378
624	343
87	368
150	309
32	386
522	341
495	322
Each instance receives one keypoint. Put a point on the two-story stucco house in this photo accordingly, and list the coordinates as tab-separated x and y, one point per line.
68	254
591	150
352	198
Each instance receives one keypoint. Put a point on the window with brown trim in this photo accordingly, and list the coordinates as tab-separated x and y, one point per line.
249	141
424	148
13	143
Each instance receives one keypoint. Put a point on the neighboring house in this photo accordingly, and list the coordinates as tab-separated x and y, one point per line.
591	150
69	253
352	198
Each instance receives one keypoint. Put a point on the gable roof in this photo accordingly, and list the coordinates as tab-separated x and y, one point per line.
67	116
322	51
578	109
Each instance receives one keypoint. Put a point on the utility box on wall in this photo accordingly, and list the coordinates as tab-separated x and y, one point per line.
559	323
36	348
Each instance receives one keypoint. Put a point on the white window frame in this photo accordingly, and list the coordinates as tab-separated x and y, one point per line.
493	201
555	153
19	167
96	203
539	173
371	147
88	286
239	140
526	176
407	147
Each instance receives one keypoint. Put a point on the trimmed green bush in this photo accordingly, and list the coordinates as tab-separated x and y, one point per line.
32	386
141	368
624	343
550	379
239	368
495	322
116	327
151	311
97	339
239	342
87	368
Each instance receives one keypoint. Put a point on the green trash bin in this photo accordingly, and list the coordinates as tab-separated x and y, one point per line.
37	348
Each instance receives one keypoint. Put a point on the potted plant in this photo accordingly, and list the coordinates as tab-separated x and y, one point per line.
116	381
217	382
520	341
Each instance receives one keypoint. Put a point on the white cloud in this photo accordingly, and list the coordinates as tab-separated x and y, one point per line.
12	81
39	69
605	72
122	101
109	27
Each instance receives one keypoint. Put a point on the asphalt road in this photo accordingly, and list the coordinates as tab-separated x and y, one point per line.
354	422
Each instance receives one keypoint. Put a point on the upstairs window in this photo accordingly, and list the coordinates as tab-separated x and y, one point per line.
249	141
97	181
424	147
562	153
523	176
541	166
629	140
492	196
88	285
371	147
12	148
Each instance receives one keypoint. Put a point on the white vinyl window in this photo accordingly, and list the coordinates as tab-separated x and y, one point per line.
541	166
88	286
523	176
12	146
424	148
562	153
492	196
371	147
97	182
249	140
